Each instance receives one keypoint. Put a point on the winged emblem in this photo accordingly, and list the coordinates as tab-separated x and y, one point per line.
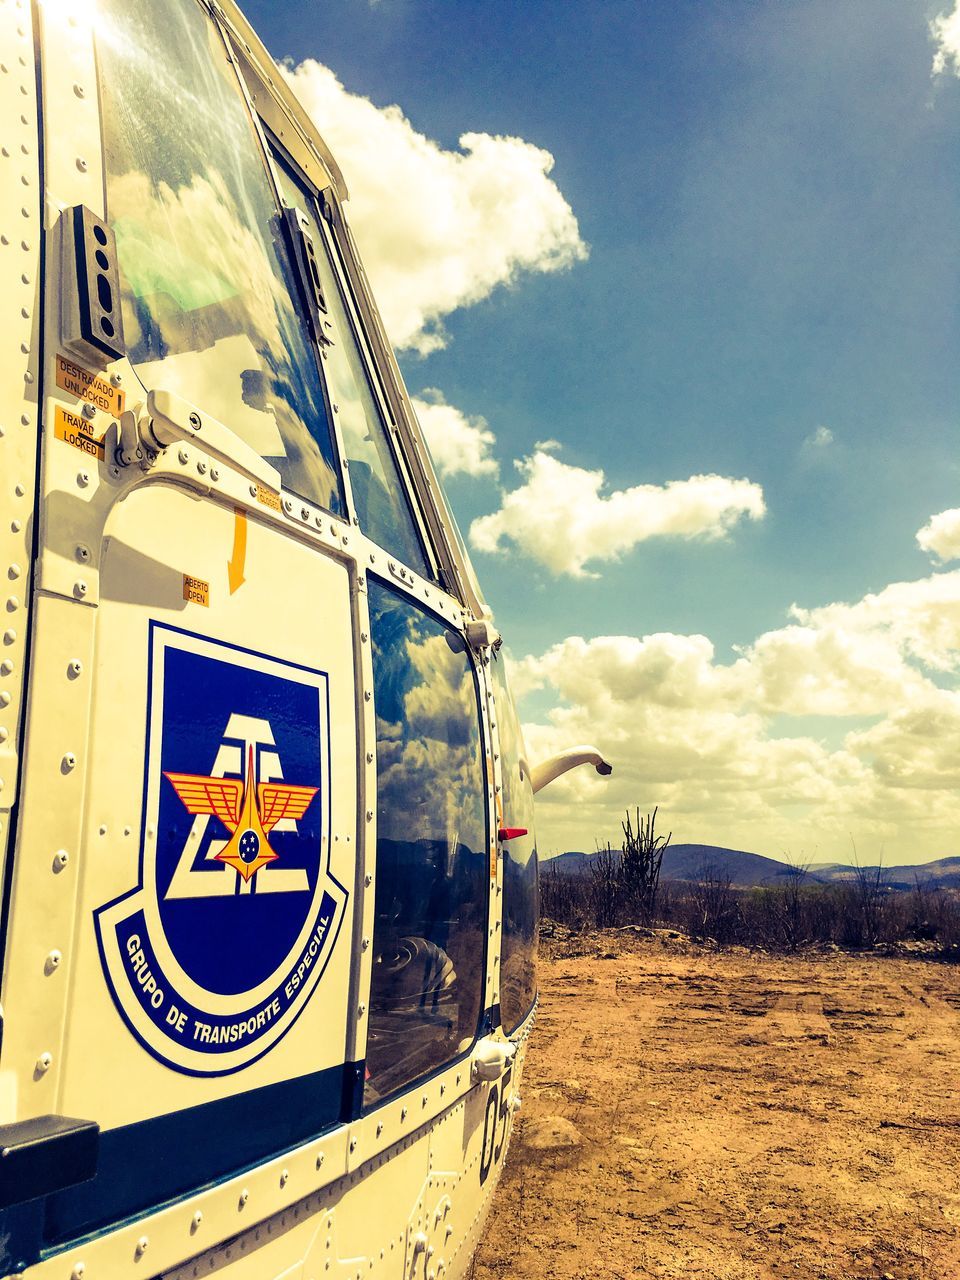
248	810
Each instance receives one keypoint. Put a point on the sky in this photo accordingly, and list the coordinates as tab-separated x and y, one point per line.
674	287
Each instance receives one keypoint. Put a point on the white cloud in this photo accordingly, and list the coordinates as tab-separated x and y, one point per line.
819	439
940	536
437	229
459	445
945	31
719	747
560	517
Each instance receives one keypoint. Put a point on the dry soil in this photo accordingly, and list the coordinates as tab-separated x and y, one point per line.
734	1116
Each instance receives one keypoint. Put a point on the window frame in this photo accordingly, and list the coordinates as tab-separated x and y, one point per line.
330	246
487	906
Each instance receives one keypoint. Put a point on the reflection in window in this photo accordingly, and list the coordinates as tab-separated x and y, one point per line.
207	301
521	900
428	967
378	494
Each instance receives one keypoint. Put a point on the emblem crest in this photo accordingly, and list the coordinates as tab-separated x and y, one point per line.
213	955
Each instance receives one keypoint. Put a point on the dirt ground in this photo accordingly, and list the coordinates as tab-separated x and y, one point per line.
734	1116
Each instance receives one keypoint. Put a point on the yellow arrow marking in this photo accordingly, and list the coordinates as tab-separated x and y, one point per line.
235	564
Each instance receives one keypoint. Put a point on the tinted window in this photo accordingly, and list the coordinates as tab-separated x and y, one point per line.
432	869
206	284
521	901
378	495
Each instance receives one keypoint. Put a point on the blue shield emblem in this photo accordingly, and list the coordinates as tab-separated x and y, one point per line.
214	954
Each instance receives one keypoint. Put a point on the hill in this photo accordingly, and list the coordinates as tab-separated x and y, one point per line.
693	862
749	870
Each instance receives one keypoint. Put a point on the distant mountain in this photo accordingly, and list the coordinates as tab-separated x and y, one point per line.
748	870
943	873
693	862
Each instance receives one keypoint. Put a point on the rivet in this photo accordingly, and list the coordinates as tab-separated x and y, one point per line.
9	636
81	164
25	419
284	1177
353	1144
44	1062
19	490
79	90
367	695
368	880
196	1220
14	571
53	961
403	1113
319	1159
103	829
4	733
142	1244
83	479
75	667
369	815
78	1271
6	667
89	410
244	1197
68	762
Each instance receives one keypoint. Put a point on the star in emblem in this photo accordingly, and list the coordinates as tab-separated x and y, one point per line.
249	811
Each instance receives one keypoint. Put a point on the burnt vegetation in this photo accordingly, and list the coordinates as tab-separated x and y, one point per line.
623	887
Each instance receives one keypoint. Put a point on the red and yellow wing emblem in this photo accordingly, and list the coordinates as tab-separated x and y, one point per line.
279	800
220	796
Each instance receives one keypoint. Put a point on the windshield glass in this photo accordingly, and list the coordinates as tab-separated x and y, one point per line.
206	284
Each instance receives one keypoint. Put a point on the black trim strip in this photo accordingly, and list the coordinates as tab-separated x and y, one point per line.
145	1165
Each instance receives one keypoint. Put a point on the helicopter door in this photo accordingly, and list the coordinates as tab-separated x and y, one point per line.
190	807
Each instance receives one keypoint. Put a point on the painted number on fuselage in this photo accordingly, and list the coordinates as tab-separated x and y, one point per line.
495	1125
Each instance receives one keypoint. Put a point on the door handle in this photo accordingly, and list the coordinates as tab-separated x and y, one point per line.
169	420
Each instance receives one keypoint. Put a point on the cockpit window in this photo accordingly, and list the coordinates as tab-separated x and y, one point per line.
521	902
207	289
381	504
431	886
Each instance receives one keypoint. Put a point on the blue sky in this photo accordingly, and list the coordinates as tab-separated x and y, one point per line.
741	265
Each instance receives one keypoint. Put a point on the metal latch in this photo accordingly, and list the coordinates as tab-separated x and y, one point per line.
168	419
482	634
490	1058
